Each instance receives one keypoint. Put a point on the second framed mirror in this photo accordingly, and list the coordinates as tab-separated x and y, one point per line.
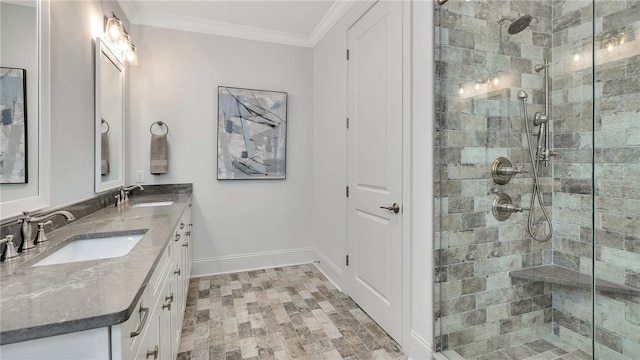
109	119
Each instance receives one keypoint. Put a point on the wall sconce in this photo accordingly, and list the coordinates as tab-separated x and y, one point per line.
114	30
120	40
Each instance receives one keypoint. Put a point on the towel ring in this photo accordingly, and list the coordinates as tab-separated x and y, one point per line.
108	127
159	123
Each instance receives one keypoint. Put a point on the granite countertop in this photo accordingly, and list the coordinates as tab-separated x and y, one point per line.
50	300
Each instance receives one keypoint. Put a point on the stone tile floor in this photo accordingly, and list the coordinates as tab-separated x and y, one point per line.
540	349
283	313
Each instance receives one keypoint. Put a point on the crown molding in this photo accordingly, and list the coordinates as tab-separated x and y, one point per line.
186	23
335	12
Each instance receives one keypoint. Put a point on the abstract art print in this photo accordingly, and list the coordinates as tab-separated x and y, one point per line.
13	126
252	134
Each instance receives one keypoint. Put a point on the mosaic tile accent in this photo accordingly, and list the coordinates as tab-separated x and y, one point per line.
282	313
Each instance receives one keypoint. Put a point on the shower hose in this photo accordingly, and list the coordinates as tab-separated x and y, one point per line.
535	162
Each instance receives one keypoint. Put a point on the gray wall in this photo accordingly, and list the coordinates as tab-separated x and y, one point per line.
177	82
74	25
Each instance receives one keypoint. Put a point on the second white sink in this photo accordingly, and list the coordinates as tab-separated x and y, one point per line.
94	248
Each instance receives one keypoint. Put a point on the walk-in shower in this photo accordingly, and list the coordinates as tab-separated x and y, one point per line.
538	179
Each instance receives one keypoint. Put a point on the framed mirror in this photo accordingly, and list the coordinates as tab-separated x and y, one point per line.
24	106
109	119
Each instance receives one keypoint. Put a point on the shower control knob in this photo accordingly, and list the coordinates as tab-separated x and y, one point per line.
502	171
503	207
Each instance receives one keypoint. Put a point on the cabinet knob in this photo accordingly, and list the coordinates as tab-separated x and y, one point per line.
153	353
177	272
181	225
185	244
177	237
167	306
169	298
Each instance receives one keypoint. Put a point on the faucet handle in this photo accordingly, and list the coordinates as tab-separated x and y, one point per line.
42	237
10	251
118	200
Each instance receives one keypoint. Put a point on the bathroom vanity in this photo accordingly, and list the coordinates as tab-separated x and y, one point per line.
124	307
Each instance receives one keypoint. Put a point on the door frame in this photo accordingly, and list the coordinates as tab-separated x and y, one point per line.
405	337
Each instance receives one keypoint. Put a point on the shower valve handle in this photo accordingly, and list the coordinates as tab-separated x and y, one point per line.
502	171
510	171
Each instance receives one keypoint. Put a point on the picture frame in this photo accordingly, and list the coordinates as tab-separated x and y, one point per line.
252	134
13	126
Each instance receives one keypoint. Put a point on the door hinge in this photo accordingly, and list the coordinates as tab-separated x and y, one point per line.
347	123
347	54
347	191
347	260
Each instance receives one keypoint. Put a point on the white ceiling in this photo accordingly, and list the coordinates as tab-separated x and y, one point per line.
299	22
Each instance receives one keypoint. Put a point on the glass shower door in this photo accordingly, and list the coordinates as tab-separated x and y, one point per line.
617	180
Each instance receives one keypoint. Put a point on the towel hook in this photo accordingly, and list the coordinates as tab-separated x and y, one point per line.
108	127
159	123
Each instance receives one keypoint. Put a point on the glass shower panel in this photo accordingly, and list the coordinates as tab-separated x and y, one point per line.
487	55
617	179
572	114
502	289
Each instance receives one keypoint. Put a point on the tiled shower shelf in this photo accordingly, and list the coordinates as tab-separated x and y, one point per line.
559	275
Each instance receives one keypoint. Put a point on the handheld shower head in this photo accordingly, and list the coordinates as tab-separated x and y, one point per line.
522	95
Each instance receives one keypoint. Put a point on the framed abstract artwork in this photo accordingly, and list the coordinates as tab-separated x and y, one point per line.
252	134
13	126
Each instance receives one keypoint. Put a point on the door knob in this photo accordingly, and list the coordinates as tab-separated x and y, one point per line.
395	208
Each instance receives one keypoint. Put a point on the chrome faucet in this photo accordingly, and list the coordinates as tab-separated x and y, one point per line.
124	192
27	220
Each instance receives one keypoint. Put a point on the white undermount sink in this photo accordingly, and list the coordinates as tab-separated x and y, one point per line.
94	247
155	203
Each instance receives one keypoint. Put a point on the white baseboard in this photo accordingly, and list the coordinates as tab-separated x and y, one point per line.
419	348
329	269
253	261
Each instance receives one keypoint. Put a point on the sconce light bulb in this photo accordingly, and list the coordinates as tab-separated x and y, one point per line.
461	90
114	29
132	55
576	57
477	86
610	47
496	80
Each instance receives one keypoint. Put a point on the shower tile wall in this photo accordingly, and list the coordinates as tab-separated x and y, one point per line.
616	172
482	309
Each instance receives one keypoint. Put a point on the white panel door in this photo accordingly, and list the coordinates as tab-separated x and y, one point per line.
375	164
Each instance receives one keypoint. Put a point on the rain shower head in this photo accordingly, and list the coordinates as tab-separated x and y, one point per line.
518	24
